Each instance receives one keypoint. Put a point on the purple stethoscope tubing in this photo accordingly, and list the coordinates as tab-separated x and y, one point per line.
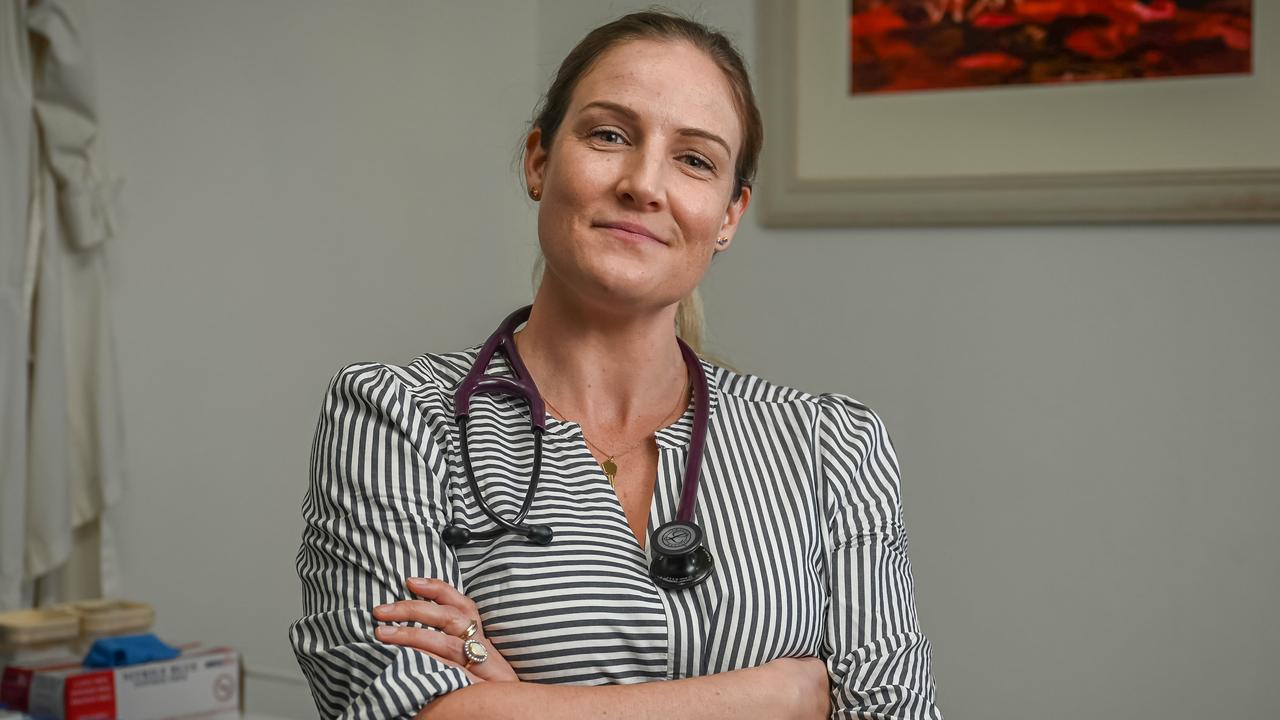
476	382
701	401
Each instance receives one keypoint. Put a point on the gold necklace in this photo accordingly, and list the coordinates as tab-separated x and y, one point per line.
610	467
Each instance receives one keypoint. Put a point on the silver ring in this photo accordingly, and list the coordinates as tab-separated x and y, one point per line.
470	631
475	652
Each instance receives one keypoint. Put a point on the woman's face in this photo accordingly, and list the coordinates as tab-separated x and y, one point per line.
636	187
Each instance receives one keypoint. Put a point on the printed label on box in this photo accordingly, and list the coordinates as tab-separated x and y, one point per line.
200	682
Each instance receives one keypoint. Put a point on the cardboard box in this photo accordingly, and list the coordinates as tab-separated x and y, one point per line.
201	681
16	677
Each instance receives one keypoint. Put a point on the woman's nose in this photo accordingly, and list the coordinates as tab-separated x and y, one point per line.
640	183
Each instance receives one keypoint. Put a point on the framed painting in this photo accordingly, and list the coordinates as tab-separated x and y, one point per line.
944	112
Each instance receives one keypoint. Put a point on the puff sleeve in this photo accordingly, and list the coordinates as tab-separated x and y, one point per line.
877	657
372	515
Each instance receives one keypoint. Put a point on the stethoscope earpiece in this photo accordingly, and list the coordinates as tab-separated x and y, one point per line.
539	534
455	535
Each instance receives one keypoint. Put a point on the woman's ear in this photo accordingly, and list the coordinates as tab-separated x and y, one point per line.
535	162
732	216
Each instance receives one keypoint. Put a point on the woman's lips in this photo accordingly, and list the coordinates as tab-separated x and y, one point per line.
629	231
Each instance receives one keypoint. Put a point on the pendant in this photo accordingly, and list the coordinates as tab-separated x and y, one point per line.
610	469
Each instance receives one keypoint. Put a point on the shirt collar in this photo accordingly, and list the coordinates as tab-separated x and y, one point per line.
676	435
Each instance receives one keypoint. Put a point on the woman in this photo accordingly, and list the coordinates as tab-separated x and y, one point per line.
799	604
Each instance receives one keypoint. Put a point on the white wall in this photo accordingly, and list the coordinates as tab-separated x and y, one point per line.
1086	422
308	184
1086	417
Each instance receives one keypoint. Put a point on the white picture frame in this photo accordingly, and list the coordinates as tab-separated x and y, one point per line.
1202	149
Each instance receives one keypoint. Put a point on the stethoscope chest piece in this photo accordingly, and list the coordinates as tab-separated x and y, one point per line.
680	559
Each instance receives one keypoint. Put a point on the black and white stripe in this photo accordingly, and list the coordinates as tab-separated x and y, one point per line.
799	499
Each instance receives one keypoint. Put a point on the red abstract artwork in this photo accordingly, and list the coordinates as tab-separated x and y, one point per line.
903	45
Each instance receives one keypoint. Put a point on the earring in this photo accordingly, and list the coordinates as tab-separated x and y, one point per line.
535	193
722	241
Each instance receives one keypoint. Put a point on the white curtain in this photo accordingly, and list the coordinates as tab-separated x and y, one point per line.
61	440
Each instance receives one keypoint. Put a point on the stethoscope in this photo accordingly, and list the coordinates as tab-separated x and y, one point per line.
680	557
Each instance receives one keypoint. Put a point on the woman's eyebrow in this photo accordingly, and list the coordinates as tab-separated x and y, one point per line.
706	135
633	116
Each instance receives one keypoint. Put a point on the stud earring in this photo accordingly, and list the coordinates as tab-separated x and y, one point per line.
722	241
535	193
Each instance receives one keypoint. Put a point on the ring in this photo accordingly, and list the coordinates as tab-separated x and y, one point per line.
475	652
470	631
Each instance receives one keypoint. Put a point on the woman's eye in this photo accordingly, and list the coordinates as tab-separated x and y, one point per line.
698	163
612	137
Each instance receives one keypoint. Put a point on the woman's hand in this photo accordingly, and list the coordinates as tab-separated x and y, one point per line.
807	677
451	613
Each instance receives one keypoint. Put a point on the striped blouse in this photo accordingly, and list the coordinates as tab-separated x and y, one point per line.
799	500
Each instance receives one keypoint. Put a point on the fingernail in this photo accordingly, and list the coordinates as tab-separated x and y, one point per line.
385	631
382	608
418	581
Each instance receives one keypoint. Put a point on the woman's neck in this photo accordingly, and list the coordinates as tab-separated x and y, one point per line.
618	371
